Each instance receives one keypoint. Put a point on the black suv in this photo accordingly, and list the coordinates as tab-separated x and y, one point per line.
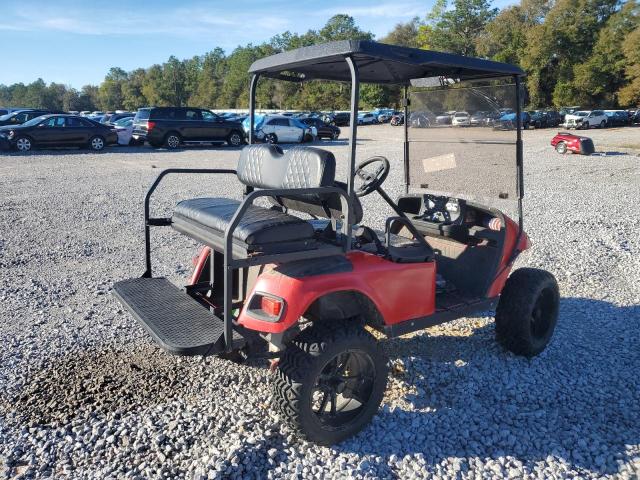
175	126
21	116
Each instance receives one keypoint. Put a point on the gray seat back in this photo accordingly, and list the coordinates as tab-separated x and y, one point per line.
267	166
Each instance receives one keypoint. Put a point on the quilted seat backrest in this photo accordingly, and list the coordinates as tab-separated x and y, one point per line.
267	166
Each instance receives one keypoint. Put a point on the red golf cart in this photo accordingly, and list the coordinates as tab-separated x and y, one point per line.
565	142
304	281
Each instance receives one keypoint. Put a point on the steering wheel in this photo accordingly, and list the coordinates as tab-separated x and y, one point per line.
374	177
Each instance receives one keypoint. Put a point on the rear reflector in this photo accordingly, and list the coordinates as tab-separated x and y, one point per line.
271	306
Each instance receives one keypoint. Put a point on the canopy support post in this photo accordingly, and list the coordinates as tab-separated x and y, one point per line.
405	152
355	96
519	151
252	105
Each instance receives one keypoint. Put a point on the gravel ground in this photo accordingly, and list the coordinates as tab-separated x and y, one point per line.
84	393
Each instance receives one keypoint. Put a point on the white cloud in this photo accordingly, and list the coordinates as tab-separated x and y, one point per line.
196	22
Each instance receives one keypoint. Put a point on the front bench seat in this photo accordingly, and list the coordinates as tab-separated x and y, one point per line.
262	229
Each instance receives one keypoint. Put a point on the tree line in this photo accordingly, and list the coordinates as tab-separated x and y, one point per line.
575	52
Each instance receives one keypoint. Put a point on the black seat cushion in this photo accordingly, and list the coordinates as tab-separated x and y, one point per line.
258	225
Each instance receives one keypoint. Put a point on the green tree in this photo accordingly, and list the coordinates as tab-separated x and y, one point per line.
630	93
456	30
404	34
565	38
598	79
132	91
210	78
111	89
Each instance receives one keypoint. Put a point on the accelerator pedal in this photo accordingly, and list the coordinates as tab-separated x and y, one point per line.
176	321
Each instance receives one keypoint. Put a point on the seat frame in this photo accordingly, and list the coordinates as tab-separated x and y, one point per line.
235	258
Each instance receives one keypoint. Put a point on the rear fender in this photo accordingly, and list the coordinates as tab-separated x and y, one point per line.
380	291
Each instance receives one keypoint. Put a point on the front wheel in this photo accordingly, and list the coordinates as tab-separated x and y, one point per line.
96	143
585	125
271	138
335	135
23	144
527	312
561	147
330	381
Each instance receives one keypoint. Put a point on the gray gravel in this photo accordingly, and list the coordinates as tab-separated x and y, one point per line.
85	393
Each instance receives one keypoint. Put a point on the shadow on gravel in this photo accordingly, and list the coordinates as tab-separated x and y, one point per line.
104	381
577	401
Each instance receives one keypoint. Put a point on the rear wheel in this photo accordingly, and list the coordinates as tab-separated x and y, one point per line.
585	125
527	312
172	140
96	143
271	138
235	139
330	381
23	144
561	147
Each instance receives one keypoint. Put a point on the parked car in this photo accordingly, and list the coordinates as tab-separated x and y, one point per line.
339	119
8	110
617	118
367	118
281	129
384	114
545	118
444	118
508	121
478	118
175	126
323	130
124	130
461	119
112	118
565	142
586	119
59	130
564	111
635	118
420	119
21	116
397	119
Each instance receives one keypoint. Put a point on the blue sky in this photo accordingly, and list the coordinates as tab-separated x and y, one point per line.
75	42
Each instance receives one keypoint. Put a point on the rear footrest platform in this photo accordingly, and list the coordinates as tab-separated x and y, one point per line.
177	322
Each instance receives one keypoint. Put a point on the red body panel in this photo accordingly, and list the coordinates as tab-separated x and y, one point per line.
511	237
572	141
199	262
399	291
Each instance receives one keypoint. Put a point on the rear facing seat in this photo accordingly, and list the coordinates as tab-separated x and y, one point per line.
262	229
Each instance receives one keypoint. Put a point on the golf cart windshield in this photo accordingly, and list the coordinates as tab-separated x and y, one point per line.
473	159
485	165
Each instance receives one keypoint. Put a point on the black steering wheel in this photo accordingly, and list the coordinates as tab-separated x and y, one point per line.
373	177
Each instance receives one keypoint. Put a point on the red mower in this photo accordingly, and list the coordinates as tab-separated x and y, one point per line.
565	142
307	294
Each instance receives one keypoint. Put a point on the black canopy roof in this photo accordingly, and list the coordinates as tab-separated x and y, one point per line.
377	63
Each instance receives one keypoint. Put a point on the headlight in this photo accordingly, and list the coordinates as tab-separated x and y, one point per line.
11	134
